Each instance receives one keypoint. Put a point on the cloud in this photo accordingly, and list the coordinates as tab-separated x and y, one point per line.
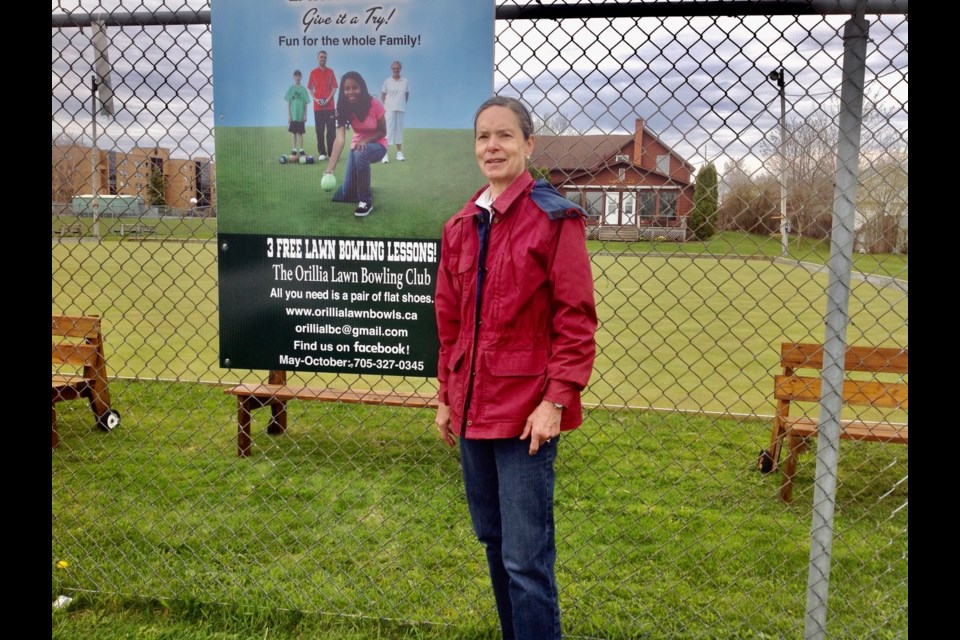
699	83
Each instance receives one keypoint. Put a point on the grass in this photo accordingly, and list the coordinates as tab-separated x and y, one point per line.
412	199
676	331
352	524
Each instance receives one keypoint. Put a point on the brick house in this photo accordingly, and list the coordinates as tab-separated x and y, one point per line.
632	186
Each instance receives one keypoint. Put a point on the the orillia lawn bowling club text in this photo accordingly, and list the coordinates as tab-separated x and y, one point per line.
360	301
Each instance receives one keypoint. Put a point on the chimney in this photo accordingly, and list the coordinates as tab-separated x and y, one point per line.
638	143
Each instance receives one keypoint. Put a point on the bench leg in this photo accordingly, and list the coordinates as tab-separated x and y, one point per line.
278	408
99	397
278	418
776	438
244	406
795	446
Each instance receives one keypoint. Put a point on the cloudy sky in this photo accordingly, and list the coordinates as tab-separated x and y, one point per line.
700	84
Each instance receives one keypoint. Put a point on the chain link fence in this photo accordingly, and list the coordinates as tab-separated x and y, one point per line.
704	145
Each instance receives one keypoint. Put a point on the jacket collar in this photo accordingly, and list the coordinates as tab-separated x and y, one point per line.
522	185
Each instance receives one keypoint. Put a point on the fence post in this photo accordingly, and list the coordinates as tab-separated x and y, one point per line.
855	36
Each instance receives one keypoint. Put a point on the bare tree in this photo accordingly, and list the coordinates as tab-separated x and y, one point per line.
882	204
750	201
556	125
810	158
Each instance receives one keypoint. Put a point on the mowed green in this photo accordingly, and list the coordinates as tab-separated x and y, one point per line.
411	199
676	332
665	528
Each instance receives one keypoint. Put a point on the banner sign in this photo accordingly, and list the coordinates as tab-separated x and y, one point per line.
327	261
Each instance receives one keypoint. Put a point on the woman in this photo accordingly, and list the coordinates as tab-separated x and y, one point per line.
368	145
516	321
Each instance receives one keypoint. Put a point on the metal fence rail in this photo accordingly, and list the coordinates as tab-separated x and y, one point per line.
745	167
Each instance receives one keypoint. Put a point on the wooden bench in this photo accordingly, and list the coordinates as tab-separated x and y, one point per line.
75	229
77	342
137	229
789	387
276	394
618	233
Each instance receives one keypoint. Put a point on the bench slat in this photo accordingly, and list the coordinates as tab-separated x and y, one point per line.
76	326
285	393
790	387
68	381
91	382
798	355
852	430
76	354
890	395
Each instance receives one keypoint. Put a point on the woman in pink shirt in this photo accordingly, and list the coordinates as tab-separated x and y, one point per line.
368	145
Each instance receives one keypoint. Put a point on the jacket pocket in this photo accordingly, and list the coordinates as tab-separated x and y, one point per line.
456	360
521	362
456	383
514	386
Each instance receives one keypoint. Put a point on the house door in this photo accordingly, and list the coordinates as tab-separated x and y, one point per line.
620	209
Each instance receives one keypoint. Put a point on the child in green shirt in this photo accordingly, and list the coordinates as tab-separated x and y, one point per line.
297	100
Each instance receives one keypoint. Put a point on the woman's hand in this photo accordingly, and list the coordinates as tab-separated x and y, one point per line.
443	425
542	426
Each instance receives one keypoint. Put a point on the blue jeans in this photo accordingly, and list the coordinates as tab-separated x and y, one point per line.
356	178
510	497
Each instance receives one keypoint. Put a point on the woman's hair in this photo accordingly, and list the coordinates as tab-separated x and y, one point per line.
523	116
361	109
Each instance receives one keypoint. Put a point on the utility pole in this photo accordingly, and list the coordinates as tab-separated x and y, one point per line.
95	181
778	77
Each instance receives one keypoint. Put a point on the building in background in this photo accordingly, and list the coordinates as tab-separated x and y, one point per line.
172	186
632	186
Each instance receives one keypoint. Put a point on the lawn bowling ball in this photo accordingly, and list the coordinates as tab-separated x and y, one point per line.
303	159
328	182
283	159
309	159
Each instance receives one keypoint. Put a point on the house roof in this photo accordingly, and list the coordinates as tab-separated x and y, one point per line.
585	153
571	153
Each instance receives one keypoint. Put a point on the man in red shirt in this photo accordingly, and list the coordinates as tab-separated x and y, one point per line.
322	85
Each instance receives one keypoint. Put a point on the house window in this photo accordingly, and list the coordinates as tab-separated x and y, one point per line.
593	203
591	200
646	205
663	164
627	209
112	172
656	206
622	157
668	205
621	174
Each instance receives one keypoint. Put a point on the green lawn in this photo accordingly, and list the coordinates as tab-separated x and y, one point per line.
412	199
352	524
678	332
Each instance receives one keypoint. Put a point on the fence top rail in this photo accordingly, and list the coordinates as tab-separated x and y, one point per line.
531	11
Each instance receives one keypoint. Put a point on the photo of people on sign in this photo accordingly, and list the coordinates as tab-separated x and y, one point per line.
340	129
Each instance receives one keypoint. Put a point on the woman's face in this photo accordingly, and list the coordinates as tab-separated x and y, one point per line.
501	149
351	90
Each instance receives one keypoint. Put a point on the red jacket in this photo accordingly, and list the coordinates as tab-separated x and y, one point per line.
535	340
